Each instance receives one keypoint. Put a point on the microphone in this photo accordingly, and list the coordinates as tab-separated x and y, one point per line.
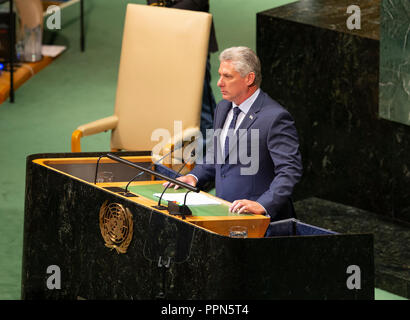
125	192
156	163
158	175
113	189
126	187
96	169
173	208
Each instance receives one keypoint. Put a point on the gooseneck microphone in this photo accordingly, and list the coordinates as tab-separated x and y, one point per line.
116	189
135	177
159	206
156	174
156	163
96	169
173	208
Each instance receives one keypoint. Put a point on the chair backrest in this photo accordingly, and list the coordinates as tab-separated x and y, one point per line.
161	73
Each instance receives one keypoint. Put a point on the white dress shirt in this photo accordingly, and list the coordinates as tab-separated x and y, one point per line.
244	107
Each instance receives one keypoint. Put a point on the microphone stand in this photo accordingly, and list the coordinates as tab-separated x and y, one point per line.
156	174
173	208
182	210
120	190
142	172
96	169
159	206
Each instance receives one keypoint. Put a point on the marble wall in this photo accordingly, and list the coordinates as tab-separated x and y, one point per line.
327	76
395	61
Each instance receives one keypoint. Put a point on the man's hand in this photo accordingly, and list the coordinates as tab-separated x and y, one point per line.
243	205
189	179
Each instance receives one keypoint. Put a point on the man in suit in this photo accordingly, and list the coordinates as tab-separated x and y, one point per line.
258	130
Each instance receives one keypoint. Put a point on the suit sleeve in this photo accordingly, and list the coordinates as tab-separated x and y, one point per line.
204	169
283	146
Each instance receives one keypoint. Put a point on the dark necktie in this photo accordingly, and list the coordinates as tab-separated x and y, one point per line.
236	112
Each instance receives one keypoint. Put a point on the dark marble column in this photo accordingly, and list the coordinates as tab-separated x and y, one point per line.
327	76
395	61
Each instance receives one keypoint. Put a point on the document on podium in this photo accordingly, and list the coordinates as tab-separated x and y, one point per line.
192	199
52	51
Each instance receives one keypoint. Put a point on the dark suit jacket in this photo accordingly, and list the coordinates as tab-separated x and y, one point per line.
195	5
279	165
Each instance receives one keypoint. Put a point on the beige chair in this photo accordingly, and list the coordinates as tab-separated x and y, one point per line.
30	29
160	79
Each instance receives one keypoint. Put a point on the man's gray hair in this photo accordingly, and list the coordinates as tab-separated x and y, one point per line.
244	60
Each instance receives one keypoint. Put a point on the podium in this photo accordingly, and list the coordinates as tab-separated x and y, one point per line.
86	240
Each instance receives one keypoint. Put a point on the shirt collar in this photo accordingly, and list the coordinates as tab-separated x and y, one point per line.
247	104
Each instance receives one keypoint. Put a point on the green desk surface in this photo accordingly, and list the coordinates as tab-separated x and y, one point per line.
148	190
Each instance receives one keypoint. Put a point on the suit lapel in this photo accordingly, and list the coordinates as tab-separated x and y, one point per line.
219	122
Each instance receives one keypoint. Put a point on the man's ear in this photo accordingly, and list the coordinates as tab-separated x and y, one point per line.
250	79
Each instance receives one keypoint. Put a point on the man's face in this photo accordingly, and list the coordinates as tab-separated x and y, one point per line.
233	86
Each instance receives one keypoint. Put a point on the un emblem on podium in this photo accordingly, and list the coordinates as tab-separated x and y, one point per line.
116	226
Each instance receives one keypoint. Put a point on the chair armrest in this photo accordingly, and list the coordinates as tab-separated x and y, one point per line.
98	126
91	128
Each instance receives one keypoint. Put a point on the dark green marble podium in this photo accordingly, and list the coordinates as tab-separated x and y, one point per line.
169	258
